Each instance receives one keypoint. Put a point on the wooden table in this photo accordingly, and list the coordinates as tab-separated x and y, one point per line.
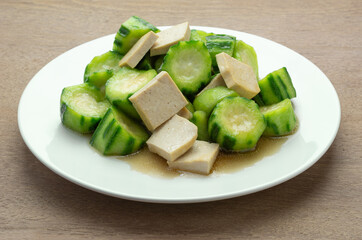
325	202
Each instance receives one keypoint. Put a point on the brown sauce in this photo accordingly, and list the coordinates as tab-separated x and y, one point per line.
151	164
232	162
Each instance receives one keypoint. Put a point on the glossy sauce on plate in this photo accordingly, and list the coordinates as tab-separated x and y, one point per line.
151	164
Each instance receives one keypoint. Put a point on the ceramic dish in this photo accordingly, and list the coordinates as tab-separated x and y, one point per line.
69	154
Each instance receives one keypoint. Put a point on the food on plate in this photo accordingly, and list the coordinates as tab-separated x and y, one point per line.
146	63
280	118
101	68
124	84
82	107
236	124
173	138
198	35
199	159
190	107
238	76
219	43
169	37
216	81
189	65
158	101
200	119
118	134
130	32
275	87
246	54
185	113
207	100
157	62
155	90
139	50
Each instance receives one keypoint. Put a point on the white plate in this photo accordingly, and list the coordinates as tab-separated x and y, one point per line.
69	155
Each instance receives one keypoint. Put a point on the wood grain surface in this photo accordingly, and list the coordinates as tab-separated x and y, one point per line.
324	202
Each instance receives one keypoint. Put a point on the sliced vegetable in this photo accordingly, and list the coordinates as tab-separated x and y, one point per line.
236	123
173	138
158	101
275	87
208	99
200	118
185	113
216	81
238	76
190	107
169	37
189	65
158	60
130	32
198	35
258	100
101	68
215	70
280	118
82	107
138	50
145	63
124	84
198	159
246	54
117	134
218	43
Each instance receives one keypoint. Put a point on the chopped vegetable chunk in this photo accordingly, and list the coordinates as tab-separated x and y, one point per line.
158	101
199	159
238	76
169	37
139	50
173	138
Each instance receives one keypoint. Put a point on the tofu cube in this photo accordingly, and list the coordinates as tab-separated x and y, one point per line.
158	100
169	37
173	138
139	50
199	159
215	82
238	76
185	113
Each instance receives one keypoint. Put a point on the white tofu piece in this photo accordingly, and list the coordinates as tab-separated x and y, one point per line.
238	76
173	138
169	37
139	50
199	159
185	113
215	82
158	100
